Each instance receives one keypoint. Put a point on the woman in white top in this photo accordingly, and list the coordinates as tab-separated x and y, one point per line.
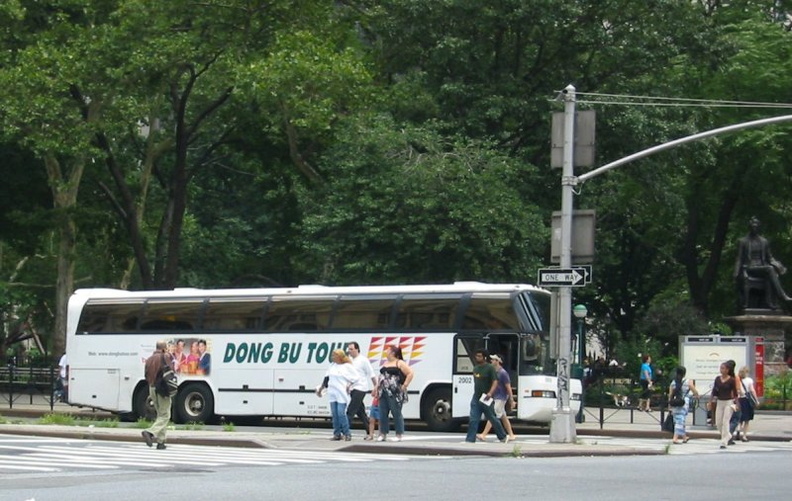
340	378
746	405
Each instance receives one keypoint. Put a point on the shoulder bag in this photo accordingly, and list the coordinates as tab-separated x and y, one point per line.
167	384
676	398
750	397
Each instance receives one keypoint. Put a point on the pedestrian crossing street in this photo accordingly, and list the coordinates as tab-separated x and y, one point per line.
51	455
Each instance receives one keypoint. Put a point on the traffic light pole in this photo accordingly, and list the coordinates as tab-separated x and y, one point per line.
562	425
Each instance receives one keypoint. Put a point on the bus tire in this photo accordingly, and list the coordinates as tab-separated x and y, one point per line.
436	410
143	407
194	403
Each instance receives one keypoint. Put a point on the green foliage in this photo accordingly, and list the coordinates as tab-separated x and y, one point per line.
261	142
406	205
778	386
57	419
665	321
142	423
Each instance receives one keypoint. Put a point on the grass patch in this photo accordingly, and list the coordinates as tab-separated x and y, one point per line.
57	418
516	451
3	420
142	423
228	426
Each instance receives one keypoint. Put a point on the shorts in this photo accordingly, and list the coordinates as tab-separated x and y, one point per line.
374	412
500	408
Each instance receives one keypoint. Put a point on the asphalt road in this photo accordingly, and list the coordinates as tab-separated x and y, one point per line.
235	474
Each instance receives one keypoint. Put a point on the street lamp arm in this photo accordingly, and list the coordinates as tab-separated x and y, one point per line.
671	144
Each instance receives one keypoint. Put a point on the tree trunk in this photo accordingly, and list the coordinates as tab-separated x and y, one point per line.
64	195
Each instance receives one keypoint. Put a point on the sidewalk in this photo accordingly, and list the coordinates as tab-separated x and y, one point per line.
627	425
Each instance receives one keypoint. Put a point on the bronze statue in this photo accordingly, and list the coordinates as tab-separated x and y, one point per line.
757	270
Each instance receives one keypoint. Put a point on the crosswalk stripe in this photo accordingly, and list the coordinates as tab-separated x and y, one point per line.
26	467
54	456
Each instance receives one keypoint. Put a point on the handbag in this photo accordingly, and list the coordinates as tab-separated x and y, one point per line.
167	384
668	423
753	402
676	398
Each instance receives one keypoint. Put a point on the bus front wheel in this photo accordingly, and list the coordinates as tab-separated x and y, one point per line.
437	410
194	403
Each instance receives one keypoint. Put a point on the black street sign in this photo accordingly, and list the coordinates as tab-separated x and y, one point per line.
559	277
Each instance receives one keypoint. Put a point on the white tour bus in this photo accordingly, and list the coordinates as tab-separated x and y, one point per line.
262	352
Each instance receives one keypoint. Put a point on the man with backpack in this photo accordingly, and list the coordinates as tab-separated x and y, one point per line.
162	403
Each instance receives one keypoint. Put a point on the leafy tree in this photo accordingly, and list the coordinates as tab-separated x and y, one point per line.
404	205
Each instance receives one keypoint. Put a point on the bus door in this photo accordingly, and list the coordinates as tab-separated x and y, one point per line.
464	347
507	346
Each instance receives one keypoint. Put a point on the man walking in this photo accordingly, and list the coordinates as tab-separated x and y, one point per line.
485	382
360	388
162	404
503	395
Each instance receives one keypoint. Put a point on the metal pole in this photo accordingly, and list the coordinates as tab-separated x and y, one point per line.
562	425
581	350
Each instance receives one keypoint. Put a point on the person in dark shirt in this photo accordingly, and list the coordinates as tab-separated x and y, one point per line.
485	382
724	396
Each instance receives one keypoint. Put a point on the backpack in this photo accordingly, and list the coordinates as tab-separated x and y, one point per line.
676	398
167	384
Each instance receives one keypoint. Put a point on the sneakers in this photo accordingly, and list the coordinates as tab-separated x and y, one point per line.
395	439
348	438
161	446
731	441
336	438
505	440
368	437
381	438
148	437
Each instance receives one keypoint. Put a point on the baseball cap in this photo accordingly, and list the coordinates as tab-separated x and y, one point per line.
496	357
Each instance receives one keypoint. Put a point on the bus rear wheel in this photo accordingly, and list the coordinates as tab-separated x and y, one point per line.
143	406
437	410
194	404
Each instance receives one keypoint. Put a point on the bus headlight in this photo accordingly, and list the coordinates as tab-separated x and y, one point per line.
543	394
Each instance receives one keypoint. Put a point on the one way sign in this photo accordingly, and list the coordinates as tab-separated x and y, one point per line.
558	277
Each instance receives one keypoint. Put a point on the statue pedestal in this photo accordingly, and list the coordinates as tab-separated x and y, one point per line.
771	326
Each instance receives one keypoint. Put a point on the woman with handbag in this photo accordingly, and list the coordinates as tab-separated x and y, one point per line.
391	390
724	401
748	403
679	402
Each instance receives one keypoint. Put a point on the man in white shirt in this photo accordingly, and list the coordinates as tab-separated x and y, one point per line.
361	388
61	394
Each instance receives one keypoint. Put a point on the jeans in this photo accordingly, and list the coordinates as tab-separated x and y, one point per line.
476	409
356	408
389	405
163	407
340	421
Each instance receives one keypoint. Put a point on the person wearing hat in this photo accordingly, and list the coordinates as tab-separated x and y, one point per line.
503	394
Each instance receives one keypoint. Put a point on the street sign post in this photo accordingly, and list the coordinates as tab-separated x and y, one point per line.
563	277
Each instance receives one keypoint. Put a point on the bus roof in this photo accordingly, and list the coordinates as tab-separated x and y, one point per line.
310	289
